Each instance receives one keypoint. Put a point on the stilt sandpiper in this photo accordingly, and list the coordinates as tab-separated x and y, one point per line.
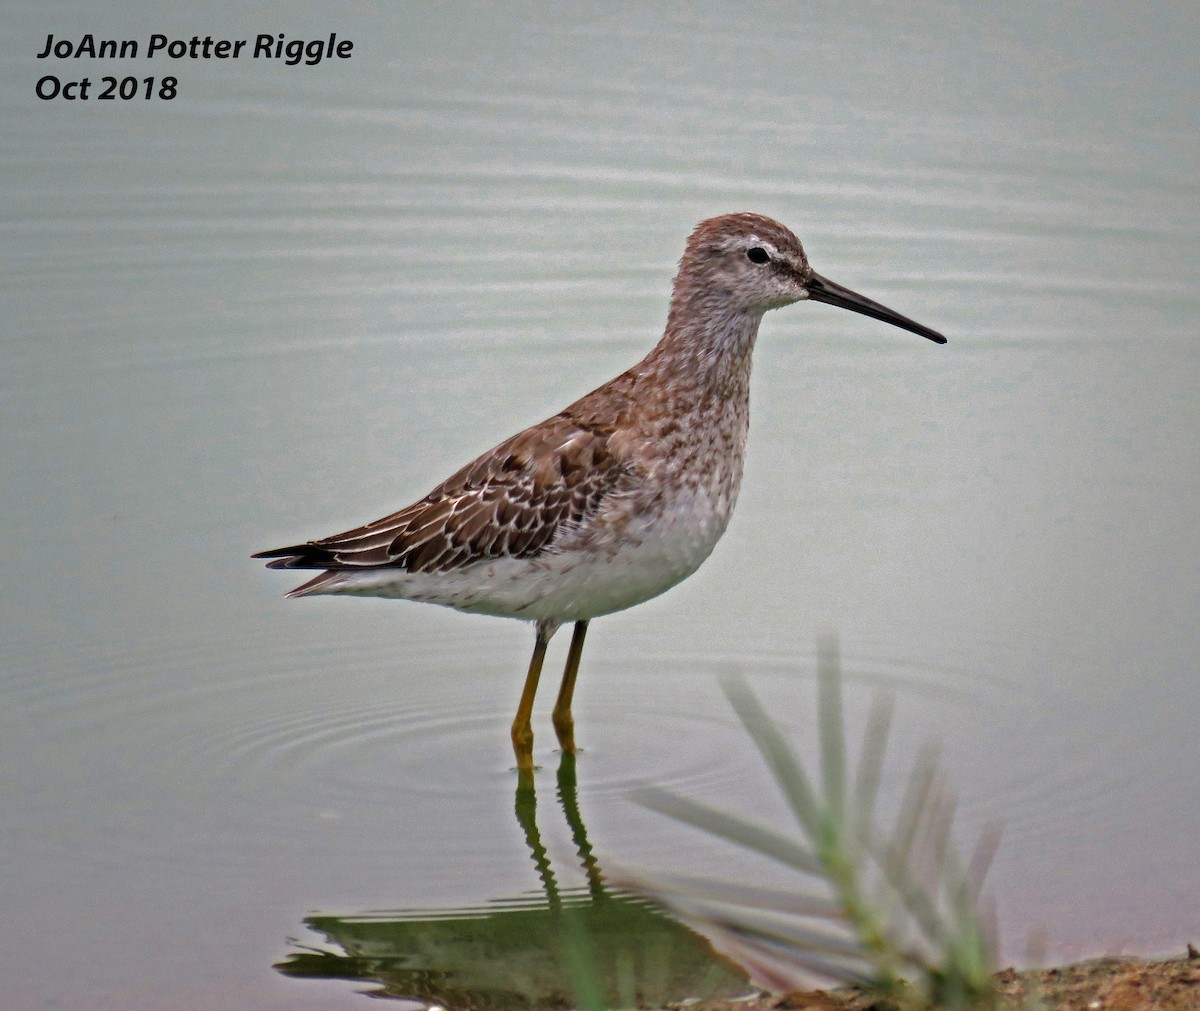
614	499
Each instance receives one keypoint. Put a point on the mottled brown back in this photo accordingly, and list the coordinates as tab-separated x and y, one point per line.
511	502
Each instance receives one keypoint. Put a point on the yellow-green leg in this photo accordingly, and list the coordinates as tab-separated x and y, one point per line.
522	729
564	722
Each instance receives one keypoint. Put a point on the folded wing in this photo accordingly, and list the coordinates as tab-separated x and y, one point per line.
512	502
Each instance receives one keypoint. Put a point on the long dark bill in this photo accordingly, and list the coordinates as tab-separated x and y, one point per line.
821	289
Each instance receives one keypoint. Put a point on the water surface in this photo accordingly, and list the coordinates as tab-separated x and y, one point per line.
296	298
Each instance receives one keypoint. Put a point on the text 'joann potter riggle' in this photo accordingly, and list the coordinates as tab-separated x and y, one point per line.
270	47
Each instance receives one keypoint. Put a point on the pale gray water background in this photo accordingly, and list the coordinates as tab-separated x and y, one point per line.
297	297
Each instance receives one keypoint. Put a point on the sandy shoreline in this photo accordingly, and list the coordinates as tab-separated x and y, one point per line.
1102	984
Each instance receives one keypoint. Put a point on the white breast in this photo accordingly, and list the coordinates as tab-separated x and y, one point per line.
620	562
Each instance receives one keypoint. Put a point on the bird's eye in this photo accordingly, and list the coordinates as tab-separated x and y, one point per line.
756	254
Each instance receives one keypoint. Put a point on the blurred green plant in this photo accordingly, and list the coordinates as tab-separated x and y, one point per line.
896	911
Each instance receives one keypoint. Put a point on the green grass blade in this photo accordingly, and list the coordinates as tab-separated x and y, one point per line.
694	888
870	765
727	826
777	753
831	722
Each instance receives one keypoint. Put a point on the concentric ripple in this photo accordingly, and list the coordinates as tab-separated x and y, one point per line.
360	752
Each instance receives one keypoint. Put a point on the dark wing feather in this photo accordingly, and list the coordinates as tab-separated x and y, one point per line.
509	503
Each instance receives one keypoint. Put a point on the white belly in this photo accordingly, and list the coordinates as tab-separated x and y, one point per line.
614	563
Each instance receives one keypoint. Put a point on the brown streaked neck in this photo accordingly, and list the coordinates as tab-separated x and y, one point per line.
708	342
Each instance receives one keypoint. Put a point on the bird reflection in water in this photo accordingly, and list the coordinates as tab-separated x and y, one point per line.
587	946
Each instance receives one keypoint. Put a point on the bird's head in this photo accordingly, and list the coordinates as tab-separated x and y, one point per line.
751	263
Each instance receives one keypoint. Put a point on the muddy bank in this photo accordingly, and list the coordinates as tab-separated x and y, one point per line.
1103	984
